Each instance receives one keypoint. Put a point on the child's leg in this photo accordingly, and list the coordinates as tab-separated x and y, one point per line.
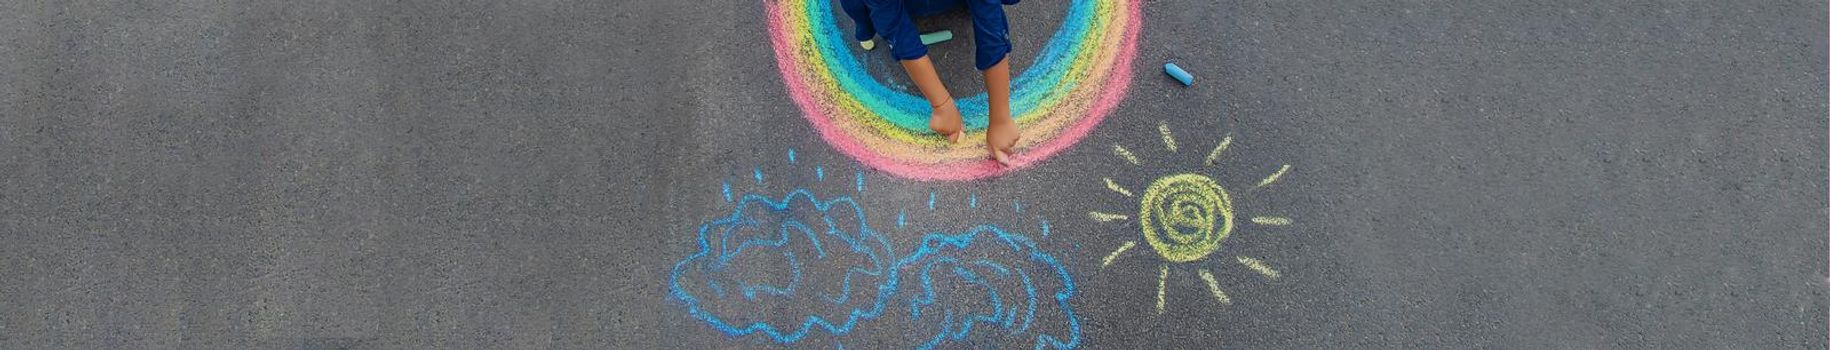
1000	130
859	13
990	33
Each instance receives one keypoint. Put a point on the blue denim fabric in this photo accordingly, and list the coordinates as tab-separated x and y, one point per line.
893	19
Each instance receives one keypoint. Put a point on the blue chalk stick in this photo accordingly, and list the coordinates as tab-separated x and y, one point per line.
936	37
1179	74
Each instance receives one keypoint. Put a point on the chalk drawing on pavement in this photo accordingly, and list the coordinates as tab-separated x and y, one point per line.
988	262
1185	218
802	265
1081	73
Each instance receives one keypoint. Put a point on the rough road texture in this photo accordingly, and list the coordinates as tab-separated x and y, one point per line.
488	174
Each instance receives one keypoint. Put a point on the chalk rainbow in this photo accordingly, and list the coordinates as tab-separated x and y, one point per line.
1081	73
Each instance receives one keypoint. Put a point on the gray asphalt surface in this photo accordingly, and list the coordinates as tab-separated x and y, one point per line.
483	174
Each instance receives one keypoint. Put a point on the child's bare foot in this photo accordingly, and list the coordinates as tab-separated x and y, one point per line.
1001	136
946	121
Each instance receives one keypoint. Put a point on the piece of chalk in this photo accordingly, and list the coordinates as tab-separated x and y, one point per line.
867	45
936	37
1179	74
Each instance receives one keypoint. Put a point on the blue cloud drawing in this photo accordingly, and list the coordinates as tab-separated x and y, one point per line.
991	281
786	268
767	254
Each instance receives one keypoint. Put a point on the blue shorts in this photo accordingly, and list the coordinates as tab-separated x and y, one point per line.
893	19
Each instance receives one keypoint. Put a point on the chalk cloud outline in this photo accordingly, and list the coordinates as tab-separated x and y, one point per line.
862	240
941	248
934	247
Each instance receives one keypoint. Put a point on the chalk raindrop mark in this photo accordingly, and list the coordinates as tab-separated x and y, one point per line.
858	177
790	156
930	200
972	200
758	174
727	191
819	173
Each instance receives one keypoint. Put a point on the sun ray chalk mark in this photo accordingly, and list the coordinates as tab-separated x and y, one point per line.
1106	217
790	156
758	174
1273	178
1162	282
902	218
1215	155
1271	220
972	200
819	173
1260	266
930	200
1126	154
1016	206
1121	250
1116	188
1169	139
1214	286
1044	227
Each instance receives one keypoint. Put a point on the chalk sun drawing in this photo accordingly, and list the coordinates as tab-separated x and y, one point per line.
798	265
1081	73
1185	217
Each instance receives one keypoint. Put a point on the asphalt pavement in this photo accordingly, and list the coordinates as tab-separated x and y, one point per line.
537	174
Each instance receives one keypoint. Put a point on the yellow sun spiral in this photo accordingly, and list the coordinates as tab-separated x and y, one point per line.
1185	216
